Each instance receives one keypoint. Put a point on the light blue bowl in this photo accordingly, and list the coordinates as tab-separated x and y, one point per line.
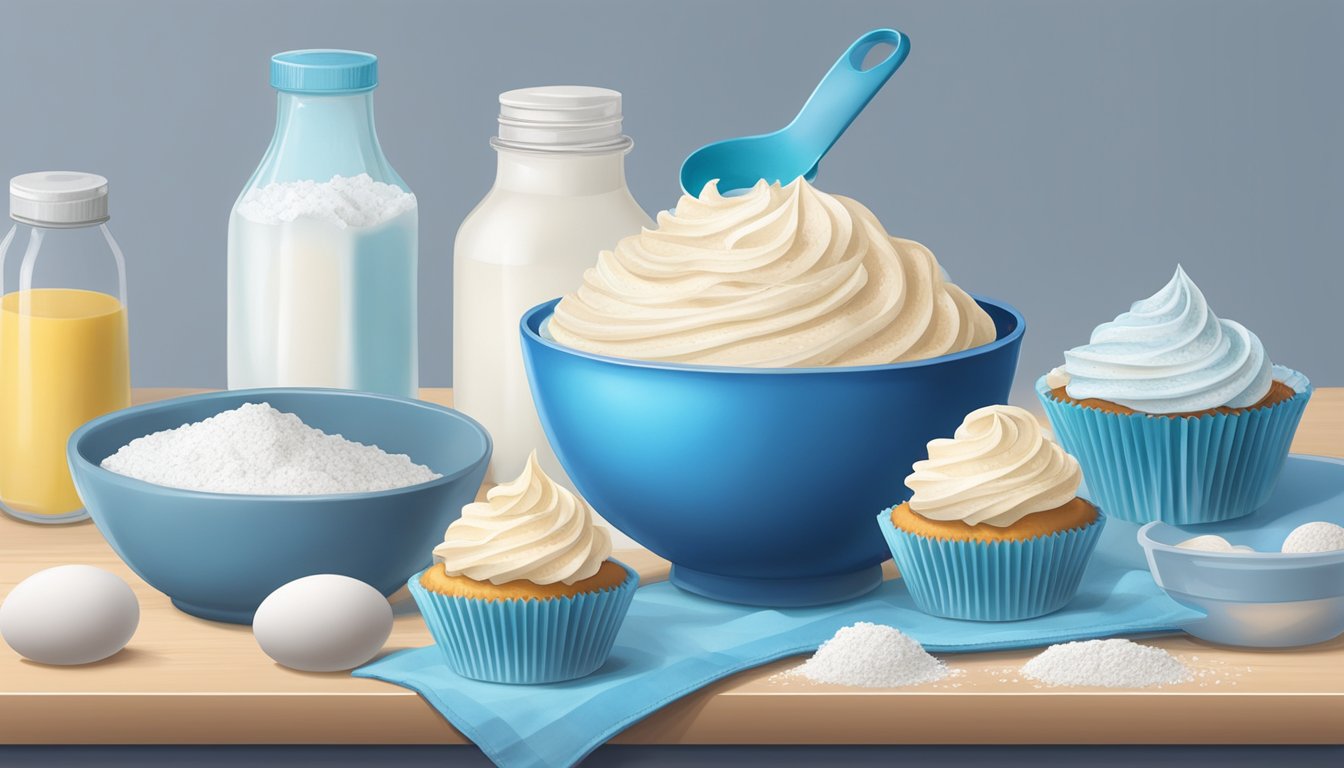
1261	599
218	555
760	485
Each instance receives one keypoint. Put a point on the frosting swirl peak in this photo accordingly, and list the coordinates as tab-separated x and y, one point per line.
1170	354
996	469
779	277
530	528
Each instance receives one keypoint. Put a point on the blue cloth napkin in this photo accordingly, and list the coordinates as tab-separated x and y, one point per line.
673	643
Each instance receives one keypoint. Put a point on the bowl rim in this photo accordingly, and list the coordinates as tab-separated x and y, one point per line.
546	307
75	454
1300	559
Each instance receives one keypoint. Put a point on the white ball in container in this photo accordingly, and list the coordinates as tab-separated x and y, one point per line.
323	623
1212	543
1314	537
70	614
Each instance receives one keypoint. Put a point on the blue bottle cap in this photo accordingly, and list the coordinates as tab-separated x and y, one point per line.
324	71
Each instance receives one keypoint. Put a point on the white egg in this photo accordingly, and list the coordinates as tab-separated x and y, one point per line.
323	623
70	614
1314	537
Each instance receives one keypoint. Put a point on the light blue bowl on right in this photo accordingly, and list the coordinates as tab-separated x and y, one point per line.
1261	599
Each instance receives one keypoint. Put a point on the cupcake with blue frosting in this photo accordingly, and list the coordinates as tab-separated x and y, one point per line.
1175	414
526	591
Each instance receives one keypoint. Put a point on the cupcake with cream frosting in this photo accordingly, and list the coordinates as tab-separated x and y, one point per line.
1174	413
526	591
994	530
783	276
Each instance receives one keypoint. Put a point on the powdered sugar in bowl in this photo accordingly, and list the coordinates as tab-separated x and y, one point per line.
219	554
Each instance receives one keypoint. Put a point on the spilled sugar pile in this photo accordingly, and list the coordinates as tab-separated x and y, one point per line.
355	201
872	656
258	450
1106	663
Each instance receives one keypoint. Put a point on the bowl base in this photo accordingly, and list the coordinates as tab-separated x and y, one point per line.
1265	625
214	614
778	593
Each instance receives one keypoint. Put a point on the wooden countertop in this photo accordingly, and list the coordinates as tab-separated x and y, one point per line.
187	681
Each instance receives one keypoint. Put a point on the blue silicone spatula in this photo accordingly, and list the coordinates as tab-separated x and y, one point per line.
795	149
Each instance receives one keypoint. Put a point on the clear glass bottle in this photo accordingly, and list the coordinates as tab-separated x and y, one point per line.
64	349
559	198
323	241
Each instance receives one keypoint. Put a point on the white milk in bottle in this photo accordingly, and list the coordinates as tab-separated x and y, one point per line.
559	198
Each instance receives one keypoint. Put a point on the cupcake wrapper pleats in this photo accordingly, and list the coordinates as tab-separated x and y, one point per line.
992	581
1182	470
526	641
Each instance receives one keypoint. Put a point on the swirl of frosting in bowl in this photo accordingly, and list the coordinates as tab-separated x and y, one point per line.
996	469
531	528
779	277
1169	354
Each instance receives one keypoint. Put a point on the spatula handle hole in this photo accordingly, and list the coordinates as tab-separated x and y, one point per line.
874	49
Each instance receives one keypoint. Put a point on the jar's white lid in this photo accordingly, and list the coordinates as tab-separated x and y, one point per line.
561	117
58	198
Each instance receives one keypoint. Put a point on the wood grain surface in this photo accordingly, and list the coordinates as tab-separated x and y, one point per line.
183	680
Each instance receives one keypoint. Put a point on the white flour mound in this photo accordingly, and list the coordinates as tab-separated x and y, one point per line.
258	450
1106	663
355	201
872	656
1314	537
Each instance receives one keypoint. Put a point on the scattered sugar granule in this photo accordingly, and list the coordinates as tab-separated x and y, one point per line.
1314	537
1107	663
354	201
872	656
1213	543
258	450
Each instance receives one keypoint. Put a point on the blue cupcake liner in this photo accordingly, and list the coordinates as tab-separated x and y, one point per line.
526	641
994	580
1180	470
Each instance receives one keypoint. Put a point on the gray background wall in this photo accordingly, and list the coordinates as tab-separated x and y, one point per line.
1060	155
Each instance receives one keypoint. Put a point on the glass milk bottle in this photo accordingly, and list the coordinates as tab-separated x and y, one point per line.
559	198
322	241
64	356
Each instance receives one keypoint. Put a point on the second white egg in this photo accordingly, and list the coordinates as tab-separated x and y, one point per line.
323	623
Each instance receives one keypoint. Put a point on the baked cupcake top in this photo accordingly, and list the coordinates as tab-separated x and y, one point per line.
779	277
995	470
1168	354
531	528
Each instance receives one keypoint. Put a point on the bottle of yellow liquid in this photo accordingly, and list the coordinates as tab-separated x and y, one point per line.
64	355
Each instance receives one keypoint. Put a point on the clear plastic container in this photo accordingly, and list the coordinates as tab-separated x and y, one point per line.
323	241
64	350
559	198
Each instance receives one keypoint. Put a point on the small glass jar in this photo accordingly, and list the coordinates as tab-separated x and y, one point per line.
64	349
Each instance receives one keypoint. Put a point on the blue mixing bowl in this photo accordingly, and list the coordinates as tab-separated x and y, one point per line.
759	485
218	555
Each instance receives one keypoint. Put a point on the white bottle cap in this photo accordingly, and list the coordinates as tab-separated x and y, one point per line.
563	118
58	198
